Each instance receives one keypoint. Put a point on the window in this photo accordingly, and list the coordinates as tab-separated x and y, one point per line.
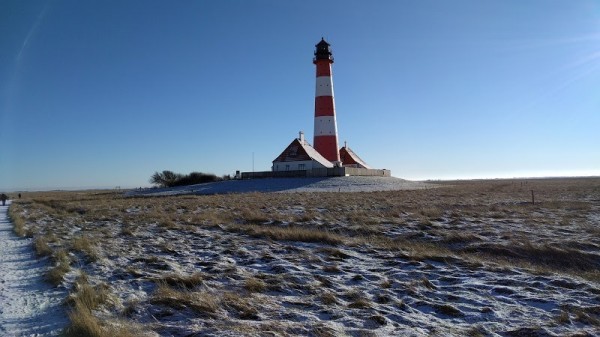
287	167
301	167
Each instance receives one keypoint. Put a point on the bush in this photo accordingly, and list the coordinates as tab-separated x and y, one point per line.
171	179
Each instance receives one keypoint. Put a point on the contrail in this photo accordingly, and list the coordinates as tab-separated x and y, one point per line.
33	29
7	96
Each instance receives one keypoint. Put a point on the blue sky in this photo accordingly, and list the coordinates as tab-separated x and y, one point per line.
104	93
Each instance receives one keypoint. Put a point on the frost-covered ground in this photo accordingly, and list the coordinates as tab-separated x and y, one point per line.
462	259
28	305
331	184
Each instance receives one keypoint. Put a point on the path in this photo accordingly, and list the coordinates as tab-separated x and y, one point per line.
28	305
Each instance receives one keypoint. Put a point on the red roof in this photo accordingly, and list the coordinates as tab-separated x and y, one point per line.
301	151
349	158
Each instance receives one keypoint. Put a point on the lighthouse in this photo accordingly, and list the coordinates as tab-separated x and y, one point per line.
325	135
325	158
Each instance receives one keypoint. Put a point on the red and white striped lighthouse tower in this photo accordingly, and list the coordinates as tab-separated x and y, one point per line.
325	137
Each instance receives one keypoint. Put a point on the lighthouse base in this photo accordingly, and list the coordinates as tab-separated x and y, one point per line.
319	172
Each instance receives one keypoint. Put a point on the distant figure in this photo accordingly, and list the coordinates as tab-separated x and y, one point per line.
19	195
4	197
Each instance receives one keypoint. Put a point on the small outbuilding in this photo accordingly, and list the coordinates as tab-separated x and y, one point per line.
299	156
351	159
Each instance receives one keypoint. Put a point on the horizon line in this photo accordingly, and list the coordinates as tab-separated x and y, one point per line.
105	188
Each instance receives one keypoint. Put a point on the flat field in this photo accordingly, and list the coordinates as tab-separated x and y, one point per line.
460	258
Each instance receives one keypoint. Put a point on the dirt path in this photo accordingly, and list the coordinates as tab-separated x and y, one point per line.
28	305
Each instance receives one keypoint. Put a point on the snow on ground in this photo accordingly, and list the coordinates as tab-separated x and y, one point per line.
250	284
28	305
314	289
321	184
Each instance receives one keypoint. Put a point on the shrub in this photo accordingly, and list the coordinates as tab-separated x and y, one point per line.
171	179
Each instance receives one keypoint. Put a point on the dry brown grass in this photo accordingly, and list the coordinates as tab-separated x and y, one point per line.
328	298
83	323
290	233
448	310
41	246
199	301
360	303
471	223
254	285
57	273
332	268
14	213
84	245
240	306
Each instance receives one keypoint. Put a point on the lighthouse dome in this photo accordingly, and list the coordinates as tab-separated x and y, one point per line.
323	52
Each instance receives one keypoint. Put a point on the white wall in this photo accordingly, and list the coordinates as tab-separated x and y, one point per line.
295	165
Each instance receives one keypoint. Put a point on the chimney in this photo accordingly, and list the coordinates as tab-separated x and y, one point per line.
301	137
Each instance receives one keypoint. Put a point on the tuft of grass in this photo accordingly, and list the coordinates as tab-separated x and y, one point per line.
200	302
291	233
358	299
360	303
41	247
563	317
322	330
427	284
254	285
476	331
586	315
84	245
328	298
17	220
83	323
127	231
241	306
358	277
87	295
386	283
167	223
433	213
331	269
61	256
448	310
333	253
188	282
83	300
56	274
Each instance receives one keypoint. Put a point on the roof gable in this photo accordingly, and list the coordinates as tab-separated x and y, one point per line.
301	151
348	157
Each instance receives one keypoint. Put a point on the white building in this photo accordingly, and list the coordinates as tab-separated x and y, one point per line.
300	155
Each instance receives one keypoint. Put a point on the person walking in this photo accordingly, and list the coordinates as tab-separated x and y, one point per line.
3	197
